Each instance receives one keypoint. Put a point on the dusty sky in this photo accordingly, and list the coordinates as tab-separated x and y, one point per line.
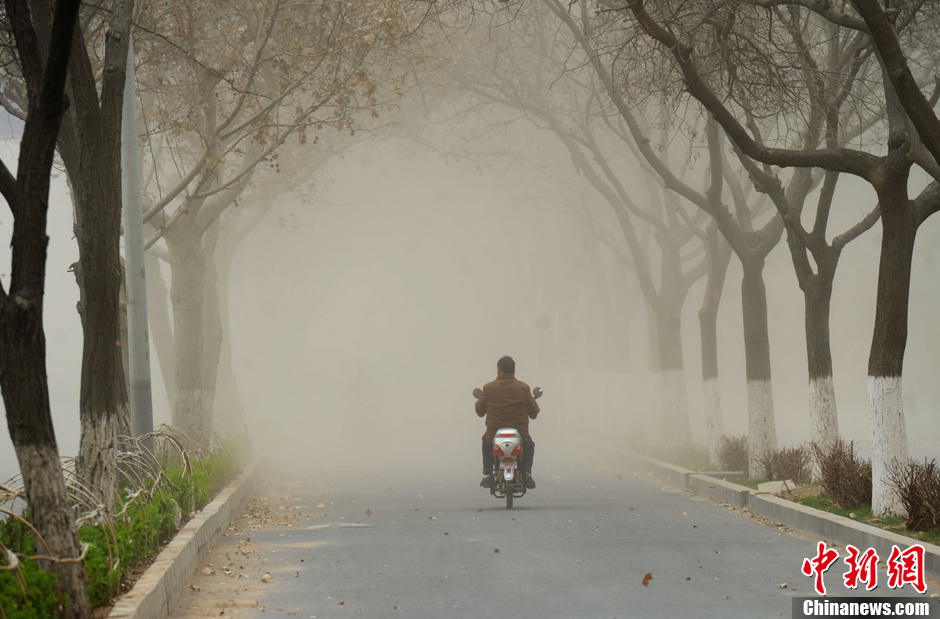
367	306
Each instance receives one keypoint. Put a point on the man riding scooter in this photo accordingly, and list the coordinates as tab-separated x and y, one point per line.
506	403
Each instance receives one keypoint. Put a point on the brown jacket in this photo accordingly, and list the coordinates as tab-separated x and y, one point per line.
507	403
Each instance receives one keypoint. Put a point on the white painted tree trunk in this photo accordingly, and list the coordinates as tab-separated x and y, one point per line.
187	293
652	421
714	423
161	327
823	416
98	452
52	515
889	441
762	433
675	431
214	329
823	413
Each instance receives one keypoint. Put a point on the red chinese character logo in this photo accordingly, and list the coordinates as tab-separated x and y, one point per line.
862	567
907	568
818	565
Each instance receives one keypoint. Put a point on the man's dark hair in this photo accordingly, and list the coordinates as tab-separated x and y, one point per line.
506	365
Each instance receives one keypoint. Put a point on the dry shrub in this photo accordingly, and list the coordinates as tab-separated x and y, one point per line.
732	453
845	477
788	463
918	485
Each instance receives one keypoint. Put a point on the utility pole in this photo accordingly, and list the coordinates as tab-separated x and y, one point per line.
136	278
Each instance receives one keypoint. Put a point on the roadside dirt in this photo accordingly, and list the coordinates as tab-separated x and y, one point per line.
232	578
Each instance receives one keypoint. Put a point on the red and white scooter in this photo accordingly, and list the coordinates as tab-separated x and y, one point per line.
508	448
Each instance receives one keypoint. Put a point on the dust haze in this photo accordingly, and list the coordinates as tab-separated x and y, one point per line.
373	298
364	317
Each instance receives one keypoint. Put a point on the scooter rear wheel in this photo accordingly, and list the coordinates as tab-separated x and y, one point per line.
509	499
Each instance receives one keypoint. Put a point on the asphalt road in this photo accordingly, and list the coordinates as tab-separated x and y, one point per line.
577	546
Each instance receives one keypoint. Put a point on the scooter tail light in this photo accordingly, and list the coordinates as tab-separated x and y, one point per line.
497	451
517	451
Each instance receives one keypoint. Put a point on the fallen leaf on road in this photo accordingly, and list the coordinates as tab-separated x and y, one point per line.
266	578
783	585
341	602
647	579
207	571
496	550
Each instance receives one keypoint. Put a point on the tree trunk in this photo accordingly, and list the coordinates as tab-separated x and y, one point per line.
823	413
762	432
103	399
719	256
123	427
654	394
161	327
886	359
122	312
223	401
23	378
676	430
213	328
188	297
26	398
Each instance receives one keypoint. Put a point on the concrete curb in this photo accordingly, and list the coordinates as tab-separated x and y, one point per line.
830	527
157	590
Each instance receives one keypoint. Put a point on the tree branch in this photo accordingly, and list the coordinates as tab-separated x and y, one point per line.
855	231
847	160
912	99
820	7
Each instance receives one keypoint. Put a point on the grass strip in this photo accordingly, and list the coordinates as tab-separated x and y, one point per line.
138	534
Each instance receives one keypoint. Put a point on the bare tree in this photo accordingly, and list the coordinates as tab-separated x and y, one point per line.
23	377
89	144
292	70
831	69
888	175
881	26
750	244
533	71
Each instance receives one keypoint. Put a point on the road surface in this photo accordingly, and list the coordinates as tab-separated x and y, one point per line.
578	546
